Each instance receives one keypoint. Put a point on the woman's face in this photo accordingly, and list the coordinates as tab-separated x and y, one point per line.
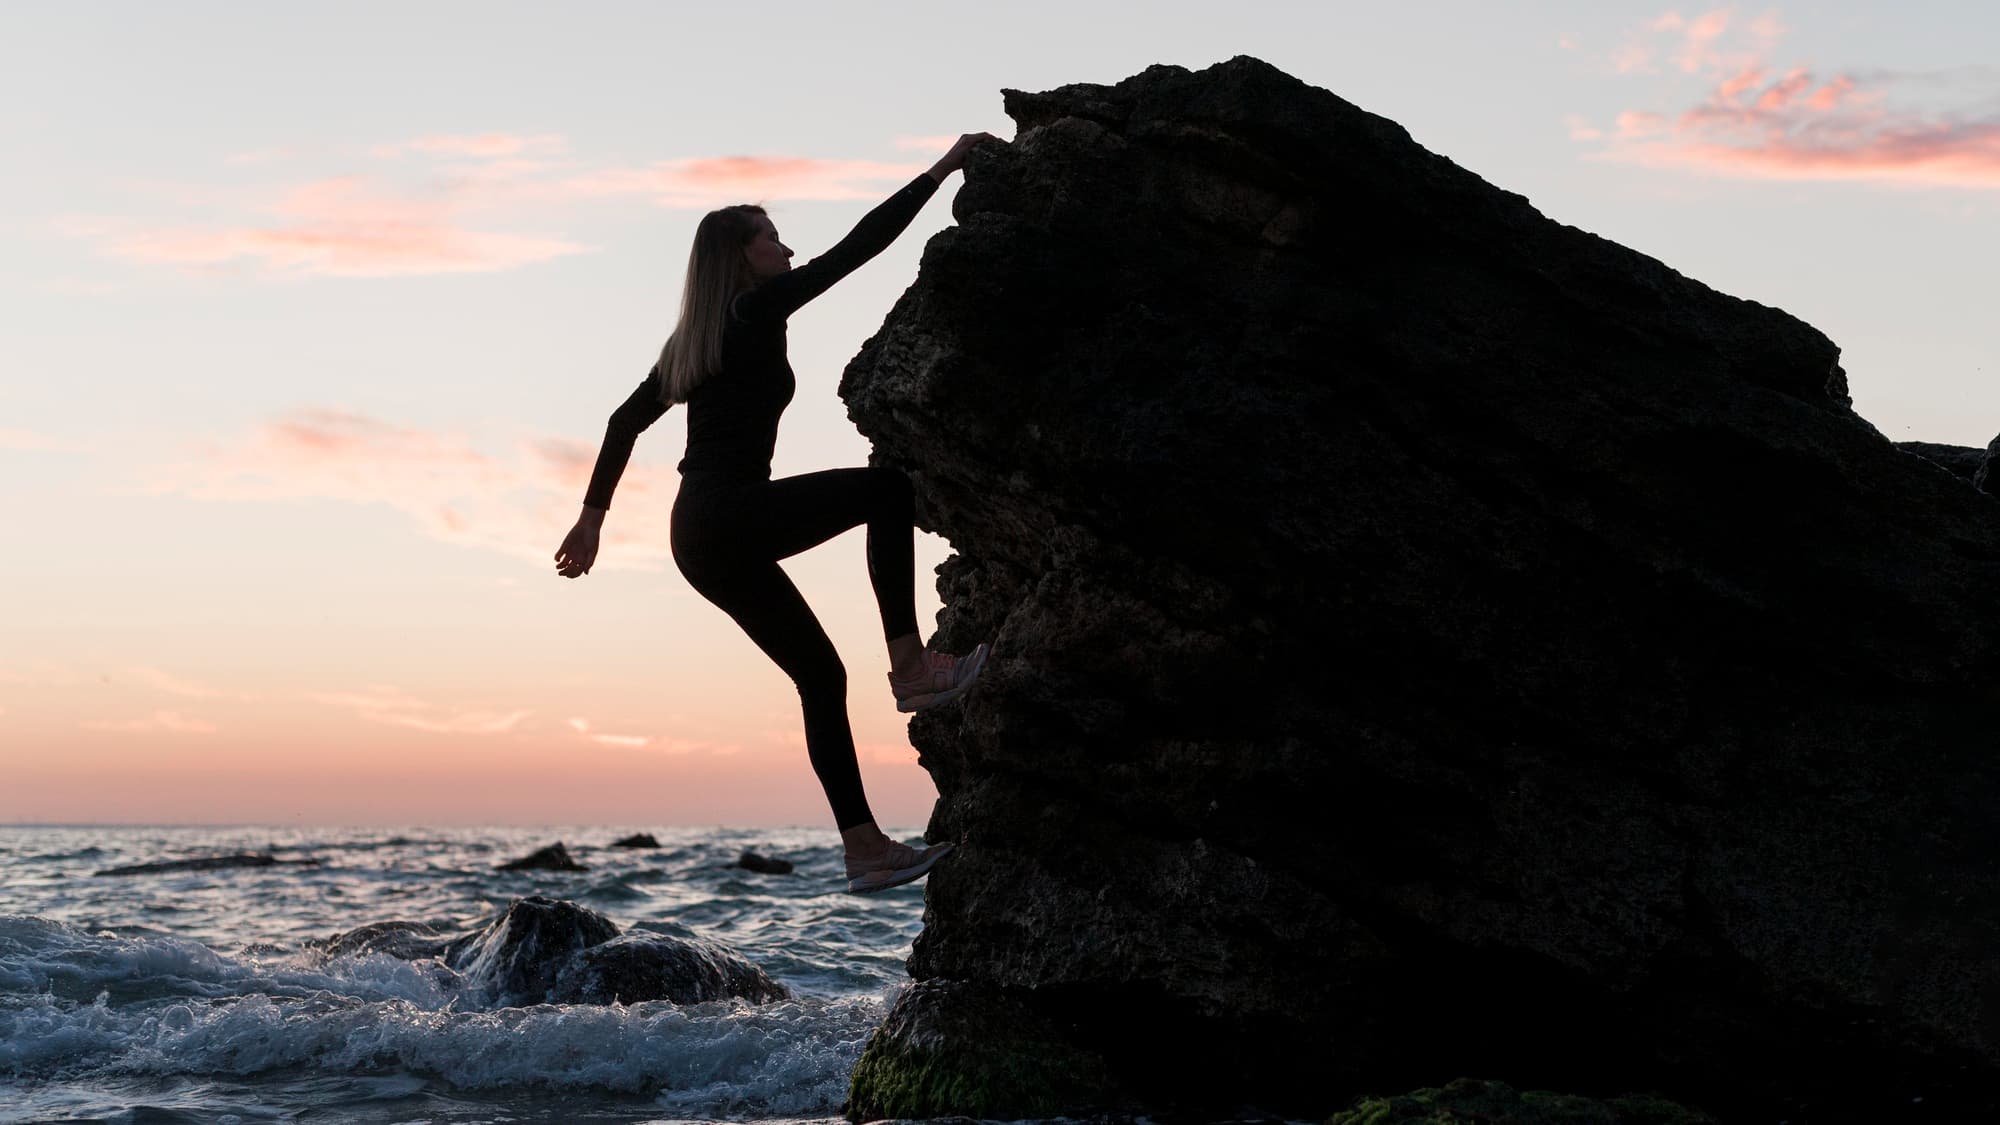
768	256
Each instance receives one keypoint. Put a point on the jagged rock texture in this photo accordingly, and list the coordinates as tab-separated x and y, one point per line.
1429	639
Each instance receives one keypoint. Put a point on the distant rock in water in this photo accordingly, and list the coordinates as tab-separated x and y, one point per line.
555	857
206	863
1433	640
751	861
637	840
641	966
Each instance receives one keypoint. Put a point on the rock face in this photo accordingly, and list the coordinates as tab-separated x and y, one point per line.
1428	639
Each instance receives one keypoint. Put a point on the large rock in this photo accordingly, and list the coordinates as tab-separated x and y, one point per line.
548	951
1428	639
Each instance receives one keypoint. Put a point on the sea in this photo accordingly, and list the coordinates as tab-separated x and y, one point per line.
192	996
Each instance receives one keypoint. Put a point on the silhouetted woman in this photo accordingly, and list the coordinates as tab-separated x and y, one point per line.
732	522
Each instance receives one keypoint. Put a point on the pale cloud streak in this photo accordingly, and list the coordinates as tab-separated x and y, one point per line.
167	722
515	494
392	706
1754	118
171	684
448	203
661	744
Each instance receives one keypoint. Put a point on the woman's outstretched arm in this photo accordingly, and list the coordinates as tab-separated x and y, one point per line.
776	298
639	410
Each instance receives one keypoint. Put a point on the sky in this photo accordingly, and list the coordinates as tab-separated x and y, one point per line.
314	315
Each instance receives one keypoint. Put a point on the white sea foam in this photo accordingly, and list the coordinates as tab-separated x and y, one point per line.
212	1014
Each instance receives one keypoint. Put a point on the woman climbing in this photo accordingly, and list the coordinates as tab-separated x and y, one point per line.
731	522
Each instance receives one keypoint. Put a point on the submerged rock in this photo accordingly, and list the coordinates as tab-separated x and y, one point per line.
637	840
555	857
205	863
1428	638
751	861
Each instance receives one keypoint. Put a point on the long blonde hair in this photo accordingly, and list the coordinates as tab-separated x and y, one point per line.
717	271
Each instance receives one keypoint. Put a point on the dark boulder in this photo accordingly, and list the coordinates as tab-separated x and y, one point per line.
519	955
751	861
1429	639
637	840
642	966
542	950
555	857
1987	478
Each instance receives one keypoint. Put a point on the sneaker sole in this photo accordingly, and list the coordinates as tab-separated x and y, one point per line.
921	702
860	886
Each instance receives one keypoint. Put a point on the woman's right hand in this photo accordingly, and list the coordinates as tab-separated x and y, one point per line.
578	550
955	159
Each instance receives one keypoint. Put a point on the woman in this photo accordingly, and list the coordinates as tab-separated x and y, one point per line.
732	523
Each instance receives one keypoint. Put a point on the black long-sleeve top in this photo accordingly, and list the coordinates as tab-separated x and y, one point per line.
732	422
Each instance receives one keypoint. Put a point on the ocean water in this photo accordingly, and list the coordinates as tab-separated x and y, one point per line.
191	996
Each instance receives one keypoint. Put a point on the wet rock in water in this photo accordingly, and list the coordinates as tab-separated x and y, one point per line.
1469	1099
520	954
1961	461
543	950
637	840
751	861
1528	664
555	857
205	863
641	966
407	940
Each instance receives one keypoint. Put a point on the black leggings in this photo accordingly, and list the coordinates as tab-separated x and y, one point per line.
728	536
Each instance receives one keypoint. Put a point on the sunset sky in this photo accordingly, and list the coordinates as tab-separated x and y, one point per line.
315	314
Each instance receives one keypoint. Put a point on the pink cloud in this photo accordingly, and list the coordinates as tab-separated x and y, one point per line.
345	228
356	226
1640	124
1580	128
171	722
1746	124
512	493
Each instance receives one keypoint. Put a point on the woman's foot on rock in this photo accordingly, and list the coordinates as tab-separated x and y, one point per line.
940	679
890	865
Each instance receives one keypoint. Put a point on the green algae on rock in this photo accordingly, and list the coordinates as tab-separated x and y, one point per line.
1495	1103
997	1058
